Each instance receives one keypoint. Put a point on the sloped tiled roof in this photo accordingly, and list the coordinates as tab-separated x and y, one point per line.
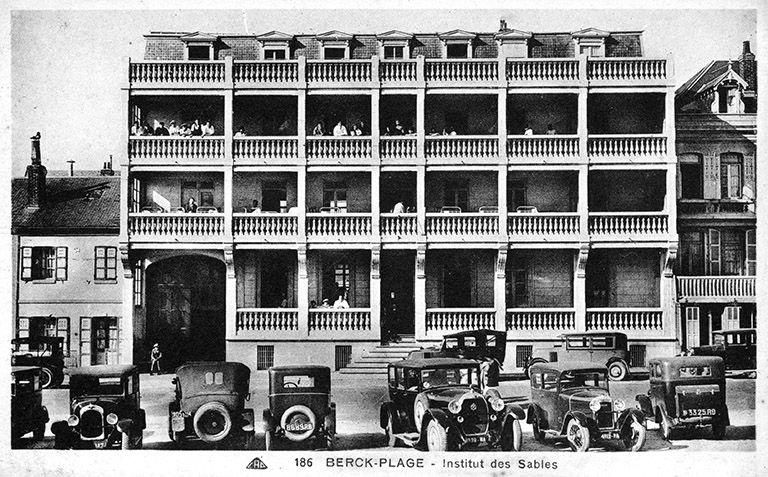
72	206
715	69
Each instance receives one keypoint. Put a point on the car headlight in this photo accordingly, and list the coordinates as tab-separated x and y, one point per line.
111	418
594	404
497	404
454	407
73	420
619	404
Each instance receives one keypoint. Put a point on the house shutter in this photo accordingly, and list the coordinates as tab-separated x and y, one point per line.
751	252
692	339
26	263
714	252
85	341
61	263
711	177
732	315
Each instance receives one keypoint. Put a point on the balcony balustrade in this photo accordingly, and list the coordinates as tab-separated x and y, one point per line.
460	319
397	147
715	206
324	148
461	147
540	224
542	70
175	226
626	69
334	320
557	146
397	71
461	71
541	319
627	146
628	223
266	225
399	226
626	319
254	73
462	226
276	148
168	73
266	320
339	226
718	289
175	148
339	71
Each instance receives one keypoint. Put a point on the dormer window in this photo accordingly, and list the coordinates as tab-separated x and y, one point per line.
393	52
335	45
457	44
457	51
275	45
334	53
394	45
274	54
199	52
513	43
199	46
590	42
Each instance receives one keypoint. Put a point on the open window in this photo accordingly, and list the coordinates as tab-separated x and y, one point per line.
731	176
691	176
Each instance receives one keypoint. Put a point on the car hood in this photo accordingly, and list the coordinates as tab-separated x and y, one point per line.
585	393
107	404
442	396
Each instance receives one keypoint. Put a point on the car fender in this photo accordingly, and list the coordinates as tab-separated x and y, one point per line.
535	410
329	421
141	419
579	416
625	418
515	411
386	408
644	404
725	414
269	421
439	415
248	420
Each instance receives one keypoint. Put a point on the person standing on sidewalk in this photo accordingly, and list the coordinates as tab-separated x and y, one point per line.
155	355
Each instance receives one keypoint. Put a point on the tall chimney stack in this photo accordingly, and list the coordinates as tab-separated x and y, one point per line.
106	170
748	66
36	173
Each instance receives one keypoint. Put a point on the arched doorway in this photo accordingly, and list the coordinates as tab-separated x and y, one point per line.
185	309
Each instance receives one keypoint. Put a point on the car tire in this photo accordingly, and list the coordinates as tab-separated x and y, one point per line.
330	441
512	436
39	433
617	371
389	431
718	429
212	422
578	436
665	427
437	437
420	407
634	436
46	378
269	441
299	409
538	433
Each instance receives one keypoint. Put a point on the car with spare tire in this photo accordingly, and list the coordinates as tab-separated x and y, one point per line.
27	411
606	348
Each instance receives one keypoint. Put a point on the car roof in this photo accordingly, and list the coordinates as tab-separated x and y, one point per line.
561	366
475	333
21	369
104	370
595	333
211	365
734	330
300	367
687	360
433	362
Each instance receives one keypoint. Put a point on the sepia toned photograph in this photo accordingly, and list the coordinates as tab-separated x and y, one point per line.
421	239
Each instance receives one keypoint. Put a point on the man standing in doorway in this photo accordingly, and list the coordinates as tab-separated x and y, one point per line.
155	355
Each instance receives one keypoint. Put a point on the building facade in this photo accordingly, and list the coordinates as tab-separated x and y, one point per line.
507	180
716	147
65	236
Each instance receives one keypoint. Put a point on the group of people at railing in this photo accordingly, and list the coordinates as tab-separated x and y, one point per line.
185	129
189	207
339	298
356	128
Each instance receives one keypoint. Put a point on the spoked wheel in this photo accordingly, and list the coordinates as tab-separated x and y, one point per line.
330	441
617	371
634	436
512	436
538	434
437	437
578	436
46	378
392	440
665	427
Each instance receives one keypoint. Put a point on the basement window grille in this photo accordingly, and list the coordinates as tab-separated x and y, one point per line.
343	356
265	357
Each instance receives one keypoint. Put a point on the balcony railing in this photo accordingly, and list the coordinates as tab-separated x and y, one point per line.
170	72
339	71
559	146
463	147
628	223
397	71
716	288
333	320
322	147
266	225
541	319
260	72
339	226
175	148
627	319
462	71
543	223
399	225
175	225
267	319
715	206
460	319
265	148
629	145
463	226
397	147
627	69
542	70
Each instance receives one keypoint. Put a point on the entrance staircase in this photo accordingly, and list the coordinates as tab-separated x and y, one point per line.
375	361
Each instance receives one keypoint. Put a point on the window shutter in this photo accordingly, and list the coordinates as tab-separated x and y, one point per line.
751	252
692	338
26	263
61	263
714	252
711	177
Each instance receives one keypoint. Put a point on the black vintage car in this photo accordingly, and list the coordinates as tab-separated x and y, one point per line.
572	399
105	408
44	351
436	403
300	407
738	348
597	347
210	405
686	391
27	411
488	347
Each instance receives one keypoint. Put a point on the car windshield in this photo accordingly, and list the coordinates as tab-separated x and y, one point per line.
576	380
299	381
435	377
691	371
97	386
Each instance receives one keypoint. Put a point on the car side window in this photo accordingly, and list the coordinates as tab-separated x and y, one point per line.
536	381
549	381
451	343
578	342
392	380
400	376
470	342
602	341
490	341
411	379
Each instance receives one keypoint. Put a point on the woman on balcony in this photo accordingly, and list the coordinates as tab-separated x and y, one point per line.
191	205
196	129
319	129
340	130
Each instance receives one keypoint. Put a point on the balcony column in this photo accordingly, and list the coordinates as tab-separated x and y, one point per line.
126	325
502	113
582	206
303	292
420	293
500	288
375	101
670	201
375	299
228	206
580	288
420	99
668	294
421	204
301	119
301	201
230	293
582	110
375	203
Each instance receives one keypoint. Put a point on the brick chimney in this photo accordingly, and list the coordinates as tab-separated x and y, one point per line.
107	170
36	173
748	67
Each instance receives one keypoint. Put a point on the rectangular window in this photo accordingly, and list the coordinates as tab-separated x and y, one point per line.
692	336
44	263
199	52
202	192
138	284
335	196
730	176
265	357
458	50
105	263
274	54
274	196
522	354
731	317
393	52
343	356
751	252
38	326
517	194
457	195
334	53
341	275
520	272
714	252
691	178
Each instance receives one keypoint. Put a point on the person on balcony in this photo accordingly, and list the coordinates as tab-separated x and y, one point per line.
191	205
240	132
356	131
196	129
399	129
136	129
341	303
528	131
173	129
551	131
340	130
208	129
162	130
399	208
319	129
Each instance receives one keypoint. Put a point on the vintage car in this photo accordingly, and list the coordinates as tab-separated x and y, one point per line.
300	407
105	409
210	405
572	399
27	411
686	391
738	348
609	349
44	351
488	347
437	403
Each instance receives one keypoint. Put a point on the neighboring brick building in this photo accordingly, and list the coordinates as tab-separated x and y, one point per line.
535	232
67	272
717	151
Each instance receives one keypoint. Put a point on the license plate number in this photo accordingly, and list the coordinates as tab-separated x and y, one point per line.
699	412
100	444
476	439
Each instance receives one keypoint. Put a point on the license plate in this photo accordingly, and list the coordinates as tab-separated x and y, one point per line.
177	423
699	412
476	439
100	444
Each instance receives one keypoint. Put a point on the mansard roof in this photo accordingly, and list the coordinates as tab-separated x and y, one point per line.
709	76
728	75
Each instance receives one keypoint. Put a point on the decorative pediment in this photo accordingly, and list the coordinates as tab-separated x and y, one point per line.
513	35
590	33
729	76
456	35
198	36
394	35
274	37
334	35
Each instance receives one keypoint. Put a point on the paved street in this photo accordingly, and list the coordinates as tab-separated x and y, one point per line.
358	400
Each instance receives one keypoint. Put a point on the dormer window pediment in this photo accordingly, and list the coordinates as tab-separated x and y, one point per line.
457	43
513	43
275	45
394	44
335	45
199	46
590	42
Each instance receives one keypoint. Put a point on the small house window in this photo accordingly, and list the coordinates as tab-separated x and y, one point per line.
393	52
199	52
105	263
44	263
274	54
332	53
691	176
457	50
730	176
